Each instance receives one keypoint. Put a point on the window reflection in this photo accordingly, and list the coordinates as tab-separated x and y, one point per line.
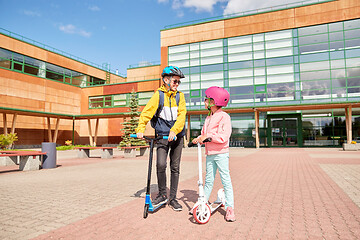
314	48
279	61
242	64
313	39
309	85
336	36
312	30
305	76
318	92
242	90
280	87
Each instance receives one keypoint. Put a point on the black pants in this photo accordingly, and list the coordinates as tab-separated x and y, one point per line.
163	147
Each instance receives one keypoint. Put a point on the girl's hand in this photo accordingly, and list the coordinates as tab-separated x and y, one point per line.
201	139
195	140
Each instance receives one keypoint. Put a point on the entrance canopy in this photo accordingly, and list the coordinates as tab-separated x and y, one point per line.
347	106
58	116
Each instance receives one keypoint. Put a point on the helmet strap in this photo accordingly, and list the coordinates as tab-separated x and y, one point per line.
167	84
209	106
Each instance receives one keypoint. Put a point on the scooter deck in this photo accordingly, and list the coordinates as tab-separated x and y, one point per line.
218	205
151	207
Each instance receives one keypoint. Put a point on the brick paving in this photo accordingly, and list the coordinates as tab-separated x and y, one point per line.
279	194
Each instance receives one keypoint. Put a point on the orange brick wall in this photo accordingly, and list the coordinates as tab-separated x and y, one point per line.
143	73
21	91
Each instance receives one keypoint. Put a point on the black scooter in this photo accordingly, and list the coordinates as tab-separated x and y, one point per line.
148	205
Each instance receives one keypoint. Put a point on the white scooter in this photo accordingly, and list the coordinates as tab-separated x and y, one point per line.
202	210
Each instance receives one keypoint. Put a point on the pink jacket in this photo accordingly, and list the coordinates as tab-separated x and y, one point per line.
218	127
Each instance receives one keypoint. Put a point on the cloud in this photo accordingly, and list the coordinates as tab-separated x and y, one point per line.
237	6
180	14
177	4
230	6
199	6
31	13
71	29
94	8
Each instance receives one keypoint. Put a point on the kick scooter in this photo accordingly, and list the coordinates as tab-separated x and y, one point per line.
148	205
202	210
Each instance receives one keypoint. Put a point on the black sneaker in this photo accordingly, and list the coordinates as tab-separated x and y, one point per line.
175	205
160	199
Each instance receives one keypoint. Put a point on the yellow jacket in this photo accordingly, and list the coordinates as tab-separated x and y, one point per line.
170	119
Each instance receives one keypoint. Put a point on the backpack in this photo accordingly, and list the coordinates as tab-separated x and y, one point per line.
154	120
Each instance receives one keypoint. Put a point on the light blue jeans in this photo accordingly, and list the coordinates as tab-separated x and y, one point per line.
221	162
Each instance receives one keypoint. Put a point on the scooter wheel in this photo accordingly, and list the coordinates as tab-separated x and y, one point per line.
202	213
146	211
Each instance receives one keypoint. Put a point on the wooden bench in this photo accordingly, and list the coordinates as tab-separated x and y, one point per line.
130	152
84	152
27	160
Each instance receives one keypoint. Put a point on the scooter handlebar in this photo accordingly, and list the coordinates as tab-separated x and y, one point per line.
191	144
148	138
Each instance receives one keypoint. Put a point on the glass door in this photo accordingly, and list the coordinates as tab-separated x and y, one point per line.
277	132
283	131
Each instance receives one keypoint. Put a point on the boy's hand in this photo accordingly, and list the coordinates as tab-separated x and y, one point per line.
140	135
172	136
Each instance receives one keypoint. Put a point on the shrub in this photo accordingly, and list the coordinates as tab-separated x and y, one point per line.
7	140
62	148
70	147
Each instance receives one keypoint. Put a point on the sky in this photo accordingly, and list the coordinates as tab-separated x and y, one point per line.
115	32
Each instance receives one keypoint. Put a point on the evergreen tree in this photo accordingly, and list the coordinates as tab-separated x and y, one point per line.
130	124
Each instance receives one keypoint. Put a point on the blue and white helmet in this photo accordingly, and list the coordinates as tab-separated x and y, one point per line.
172	71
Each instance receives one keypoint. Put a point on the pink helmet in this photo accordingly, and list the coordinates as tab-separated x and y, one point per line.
220	95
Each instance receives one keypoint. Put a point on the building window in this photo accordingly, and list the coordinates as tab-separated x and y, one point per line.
118	100
144	97
28	65
303	65
96	102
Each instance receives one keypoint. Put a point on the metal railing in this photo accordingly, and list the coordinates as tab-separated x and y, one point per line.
144	64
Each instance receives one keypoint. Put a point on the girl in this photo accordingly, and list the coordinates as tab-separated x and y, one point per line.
217	126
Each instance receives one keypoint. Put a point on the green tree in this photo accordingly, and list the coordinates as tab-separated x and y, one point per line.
131	123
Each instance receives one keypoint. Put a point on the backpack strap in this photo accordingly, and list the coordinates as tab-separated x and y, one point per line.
161	103
177	97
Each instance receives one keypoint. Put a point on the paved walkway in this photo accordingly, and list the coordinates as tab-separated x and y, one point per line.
279	194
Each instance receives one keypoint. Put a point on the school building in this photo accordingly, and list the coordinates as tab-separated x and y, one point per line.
47	95
293	73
